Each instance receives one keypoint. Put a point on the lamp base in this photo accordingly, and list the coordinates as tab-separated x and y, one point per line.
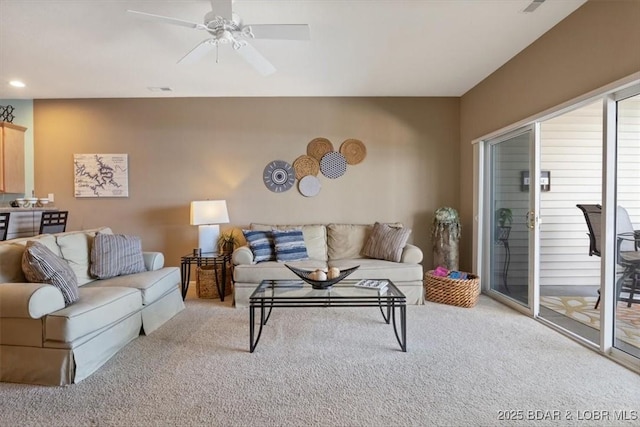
208	237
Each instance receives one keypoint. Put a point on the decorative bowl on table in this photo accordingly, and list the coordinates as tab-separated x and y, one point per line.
307	275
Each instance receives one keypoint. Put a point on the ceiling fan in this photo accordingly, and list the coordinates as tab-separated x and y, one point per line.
226	27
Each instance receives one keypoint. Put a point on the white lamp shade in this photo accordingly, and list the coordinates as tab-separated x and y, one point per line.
206	212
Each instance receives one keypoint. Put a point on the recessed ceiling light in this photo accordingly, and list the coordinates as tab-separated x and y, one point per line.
17	83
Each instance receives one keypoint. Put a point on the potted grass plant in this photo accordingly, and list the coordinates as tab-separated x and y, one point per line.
227	242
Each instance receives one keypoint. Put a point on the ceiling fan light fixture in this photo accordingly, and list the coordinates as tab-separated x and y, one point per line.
226	27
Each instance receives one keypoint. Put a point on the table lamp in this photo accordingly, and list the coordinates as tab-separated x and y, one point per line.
207	214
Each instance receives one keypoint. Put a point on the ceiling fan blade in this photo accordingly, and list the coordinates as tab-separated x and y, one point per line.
280	31
255	59
222	8
166	19
197	52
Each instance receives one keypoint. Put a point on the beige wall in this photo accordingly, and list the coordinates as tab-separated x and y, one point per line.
184	149
596	45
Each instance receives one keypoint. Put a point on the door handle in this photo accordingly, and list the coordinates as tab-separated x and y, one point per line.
531	220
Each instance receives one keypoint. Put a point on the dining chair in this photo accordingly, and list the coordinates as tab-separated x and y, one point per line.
4	225
53	221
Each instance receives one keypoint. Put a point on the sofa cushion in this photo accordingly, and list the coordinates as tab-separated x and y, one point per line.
386	242
11	263
289	245
40	265
98	308
75	248
48	240
151	284
261	244
397	272
345	241
272	270
115	255
315	237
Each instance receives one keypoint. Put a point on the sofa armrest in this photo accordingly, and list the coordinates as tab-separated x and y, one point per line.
242	255
153	260
411	254
29	300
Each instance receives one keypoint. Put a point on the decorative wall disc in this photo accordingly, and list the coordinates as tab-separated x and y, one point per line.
333	165
306	165
318	147
309	186
353	151
278	176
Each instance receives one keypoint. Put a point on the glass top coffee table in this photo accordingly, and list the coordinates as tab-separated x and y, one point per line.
298	294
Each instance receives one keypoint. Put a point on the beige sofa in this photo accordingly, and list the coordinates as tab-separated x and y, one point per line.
332	245
44	342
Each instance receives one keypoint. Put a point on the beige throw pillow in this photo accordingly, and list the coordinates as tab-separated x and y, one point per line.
41	265
386	242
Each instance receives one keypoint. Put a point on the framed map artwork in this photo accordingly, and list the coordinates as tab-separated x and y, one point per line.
101	175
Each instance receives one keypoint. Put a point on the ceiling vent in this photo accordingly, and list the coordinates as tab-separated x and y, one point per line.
533	6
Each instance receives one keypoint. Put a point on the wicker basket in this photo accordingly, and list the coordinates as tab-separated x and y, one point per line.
445	290
206	281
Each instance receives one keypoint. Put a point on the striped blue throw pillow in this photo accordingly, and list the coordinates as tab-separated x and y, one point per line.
290	245
261	244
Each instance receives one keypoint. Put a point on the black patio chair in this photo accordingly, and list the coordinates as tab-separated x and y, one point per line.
627	253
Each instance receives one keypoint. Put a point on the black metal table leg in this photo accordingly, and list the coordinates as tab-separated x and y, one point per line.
387	316
252	319
185	266
224	280
402	337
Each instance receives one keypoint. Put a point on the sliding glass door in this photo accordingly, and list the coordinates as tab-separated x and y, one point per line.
626	296
560	222
509	215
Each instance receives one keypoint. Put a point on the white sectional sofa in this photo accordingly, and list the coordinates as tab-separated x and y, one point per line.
331	245
44	342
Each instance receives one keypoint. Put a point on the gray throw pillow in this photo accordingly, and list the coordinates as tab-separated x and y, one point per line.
386	242
116	255
41	265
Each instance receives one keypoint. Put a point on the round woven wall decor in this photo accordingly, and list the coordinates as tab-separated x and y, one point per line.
309	186
306	165
278	176
353	151
318	147
333	165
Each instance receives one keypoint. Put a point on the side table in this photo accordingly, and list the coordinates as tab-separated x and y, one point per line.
205	258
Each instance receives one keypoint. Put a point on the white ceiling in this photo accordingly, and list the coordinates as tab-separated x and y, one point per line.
94	49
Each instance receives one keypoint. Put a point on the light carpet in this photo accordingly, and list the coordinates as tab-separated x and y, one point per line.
337	367
582	309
